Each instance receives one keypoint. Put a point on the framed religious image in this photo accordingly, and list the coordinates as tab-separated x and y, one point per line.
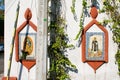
27	46
94	42
95	46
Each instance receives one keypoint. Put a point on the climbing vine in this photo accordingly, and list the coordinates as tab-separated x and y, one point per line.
84	4
73	9
111	7
73	6
60	65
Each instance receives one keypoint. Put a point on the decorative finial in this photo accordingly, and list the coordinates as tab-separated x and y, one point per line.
28	14
93	12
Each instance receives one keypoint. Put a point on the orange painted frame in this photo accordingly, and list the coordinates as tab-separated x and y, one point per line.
10	78
27	63
84	41
17	36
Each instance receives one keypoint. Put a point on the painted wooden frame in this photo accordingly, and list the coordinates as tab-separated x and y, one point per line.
17	36
10	78
95	62
28	63
105	41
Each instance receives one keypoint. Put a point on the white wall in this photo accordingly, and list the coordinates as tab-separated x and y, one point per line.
107	71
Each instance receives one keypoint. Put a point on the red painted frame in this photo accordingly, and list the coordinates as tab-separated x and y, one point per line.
17	36
10	78
84	41
95	64
27	63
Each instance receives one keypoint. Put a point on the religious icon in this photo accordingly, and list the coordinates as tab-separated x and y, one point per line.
94	42
94	46
27	47
25	41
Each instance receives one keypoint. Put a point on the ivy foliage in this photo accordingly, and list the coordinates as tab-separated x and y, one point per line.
60	65
81	24
111	8
73	10
84	3
73	6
